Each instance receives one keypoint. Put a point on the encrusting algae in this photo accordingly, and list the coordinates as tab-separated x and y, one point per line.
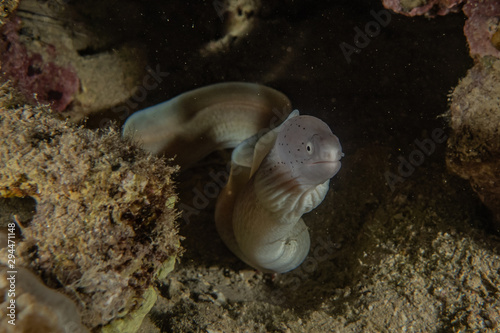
105	218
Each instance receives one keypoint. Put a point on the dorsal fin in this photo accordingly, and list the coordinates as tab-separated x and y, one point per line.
266	143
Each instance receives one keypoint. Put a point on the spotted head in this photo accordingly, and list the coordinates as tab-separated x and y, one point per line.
308	149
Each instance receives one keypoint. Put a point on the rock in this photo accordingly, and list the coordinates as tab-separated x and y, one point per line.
132	321
37	308
74	67
104	223
482	27
423	7
474	146
239	18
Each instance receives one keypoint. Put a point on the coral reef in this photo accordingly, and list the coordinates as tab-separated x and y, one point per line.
421	7
39	80
72	66
481	27
104	223
421	258
474	147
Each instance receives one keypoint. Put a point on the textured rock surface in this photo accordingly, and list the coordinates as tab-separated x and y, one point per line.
38	308
474	147
39	79
482	27
104	222
423	7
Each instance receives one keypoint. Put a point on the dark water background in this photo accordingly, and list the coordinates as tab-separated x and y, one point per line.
390	93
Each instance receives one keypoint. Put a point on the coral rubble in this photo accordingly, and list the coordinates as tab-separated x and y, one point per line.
105	218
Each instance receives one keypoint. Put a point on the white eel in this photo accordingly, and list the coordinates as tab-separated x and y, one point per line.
278	173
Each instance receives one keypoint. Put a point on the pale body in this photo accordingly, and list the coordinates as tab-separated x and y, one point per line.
198	122
259	212
274	180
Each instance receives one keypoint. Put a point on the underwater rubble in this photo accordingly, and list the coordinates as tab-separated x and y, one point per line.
104	226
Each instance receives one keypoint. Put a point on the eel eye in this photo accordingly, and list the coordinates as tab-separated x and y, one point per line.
309	148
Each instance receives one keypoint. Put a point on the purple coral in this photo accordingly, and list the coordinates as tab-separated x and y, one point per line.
482	23
430	8
38	79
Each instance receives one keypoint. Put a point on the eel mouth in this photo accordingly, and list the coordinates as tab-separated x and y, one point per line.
332	159
326	162
323	170
333	165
